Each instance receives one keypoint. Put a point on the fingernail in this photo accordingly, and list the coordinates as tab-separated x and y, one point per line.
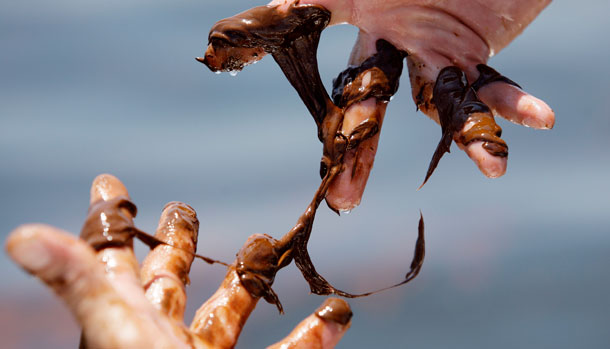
31	254
536	123
532	122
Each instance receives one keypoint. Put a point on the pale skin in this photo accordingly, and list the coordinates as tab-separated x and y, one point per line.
436	34
122	305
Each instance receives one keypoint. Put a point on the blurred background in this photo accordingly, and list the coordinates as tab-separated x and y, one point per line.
88	87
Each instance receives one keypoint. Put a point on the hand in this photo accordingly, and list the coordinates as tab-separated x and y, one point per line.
120	305
435	34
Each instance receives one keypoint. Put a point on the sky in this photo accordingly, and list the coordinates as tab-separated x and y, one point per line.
92	87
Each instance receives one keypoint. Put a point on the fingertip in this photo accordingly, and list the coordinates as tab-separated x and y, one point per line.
517	106
106	187
535	112
491	166
322	329
335	310
25	247
176	211
337	315
47	252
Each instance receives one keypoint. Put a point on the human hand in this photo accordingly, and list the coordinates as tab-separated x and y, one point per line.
119	304
435	35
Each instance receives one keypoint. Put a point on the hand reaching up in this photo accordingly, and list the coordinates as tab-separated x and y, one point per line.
122	305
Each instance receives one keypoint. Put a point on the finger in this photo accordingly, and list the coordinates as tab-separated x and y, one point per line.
107	220
364	113
422	75
346	190
506	100
322	329
220	319
230	59
220	57
70	267
516	105
491	166
165	270
64	263
423	79
120	262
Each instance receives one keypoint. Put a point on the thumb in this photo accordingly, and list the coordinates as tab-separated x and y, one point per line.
63	262
68	265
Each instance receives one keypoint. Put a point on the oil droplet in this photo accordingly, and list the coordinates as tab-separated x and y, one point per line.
346	212
233	72
217	72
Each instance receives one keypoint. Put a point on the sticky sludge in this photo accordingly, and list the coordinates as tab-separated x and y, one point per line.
489	75
291	36
257	263
382	71
109	223
457	104
335	310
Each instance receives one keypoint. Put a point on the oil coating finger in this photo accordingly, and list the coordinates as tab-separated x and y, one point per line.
504	99
363	91
220	319
70	267
119	262
165	270
491	166
346	190
516	105
322	329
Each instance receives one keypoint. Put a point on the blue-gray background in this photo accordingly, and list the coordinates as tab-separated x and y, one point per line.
88	87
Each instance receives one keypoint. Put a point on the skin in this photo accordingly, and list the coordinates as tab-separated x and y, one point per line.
345	192
116	308
120	305
437	34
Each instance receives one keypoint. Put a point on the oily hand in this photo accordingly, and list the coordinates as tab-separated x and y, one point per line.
119	304
435	35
